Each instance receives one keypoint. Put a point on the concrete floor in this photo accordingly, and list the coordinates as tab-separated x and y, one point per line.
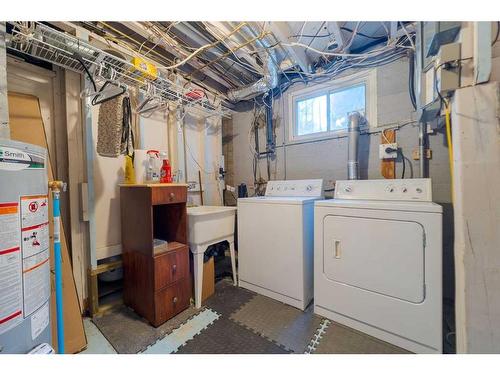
97	343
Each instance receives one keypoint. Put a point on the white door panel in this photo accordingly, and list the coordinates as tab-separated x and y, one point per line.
377	255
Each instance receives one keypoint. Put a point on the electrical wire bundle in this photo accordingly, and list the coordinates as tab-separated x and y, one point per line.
341	62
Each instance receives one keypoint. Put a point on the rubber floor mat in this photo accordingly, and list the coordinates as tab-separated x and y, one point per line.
129	333
227	337
187	331
339	339
285	325
228	298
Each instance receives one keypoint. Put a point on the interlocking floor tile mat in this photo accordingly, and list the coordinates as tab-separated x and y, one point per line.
228	298
129	333
285	325
227	337
187	331
339	339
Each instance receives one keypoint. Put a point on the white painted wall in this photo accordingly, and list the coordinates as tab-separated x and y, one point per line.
204	140
476	141
203	153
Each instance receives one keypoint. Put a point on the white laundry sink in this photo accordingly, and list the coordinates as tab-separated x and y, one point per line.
210	223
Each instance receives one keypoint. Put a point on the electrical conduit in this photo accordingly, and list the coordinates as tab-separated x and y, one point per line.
450	143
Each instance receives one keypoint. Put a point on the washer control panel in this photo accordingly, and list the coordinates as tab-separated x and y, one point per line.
415	189
295	188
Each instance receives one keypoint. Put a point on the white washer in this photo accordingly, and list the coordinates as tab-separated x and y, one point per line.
378	261
275	241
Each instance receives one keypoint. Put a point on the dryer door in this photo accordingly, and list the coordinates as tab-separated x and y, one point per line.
378	255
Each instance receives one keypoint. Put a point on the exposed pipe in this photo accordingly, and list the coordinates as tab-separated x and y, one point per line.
352	150
270	142
422	143
55	186
266	83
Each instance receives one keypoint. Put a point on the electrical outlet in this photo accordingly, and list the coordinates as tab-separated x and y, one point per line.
416	154
383	154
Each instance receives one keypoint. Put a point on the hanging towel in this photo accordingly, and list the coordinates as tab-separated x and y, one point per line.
114	132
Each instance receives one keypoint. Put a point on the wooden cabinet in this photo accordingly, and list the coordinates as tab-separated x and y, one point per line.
157	285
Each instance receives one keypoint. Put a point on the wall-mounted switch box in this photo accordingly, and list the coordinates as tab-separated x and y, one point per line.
385	151
447	68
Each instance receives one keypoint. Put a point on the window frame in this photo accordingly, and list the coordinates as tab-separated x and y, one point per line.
368	78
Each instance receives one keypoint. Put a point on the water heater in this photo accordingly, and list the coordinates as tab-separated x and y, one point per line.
24	248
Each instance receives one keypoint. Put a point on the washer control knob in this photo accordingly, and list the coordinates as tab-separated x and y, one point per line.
404	189
348	189
309	187
390	189
419	190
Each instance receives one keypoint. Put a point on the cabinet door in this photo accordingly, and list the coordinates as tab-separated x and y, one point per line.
171	301
171	267
379	255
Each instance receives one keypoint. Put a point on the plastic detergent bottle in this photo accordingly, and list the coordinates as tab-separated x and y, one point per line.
152	172
129	170
166	170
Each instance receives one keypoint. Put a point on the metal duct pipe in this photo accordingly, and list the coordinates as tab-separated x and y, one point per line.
266	83
352	150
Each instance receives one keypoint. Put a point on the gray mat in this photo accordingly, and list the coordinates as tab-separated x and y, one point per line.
339	339
287	326
129	333
226	337
228	298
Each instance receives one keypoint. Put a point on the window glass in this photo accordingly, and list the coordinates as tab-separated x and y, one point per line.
343	102
312	115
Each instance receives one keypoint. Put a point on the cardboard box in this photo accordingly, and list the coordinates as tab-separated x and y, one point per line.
208	279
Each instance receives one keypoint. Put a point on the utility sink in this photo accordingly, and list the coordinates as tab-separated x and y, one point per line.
208	225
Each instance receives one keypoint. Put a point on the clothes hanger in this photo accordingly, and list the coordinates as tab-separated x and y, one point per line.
110	89
151	103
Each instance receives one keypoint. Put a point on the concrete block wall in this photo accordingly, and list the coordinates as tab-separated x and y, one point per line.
327	159
227	151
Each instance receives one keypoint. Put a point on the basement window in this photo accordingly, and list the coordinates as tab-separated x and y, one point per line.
322	111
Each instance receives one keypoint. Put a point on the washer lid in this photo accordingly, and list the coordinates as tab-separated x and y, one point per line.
381	205
277	200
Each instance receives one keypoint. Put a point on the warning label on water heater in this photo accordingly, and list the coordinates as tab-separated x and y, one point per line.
34	210
35	246
11	292
36	280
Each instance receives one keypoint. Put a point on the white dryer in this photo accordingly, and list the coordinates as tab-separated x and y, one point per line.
275	241
378	261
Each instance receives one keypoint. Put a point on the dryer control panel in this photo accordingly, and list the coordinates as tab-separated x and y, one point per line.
295	188
415	189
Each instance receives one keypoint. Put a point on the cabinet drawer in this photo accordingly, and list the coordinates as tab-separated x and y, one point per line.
171	301
171	194
171	267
